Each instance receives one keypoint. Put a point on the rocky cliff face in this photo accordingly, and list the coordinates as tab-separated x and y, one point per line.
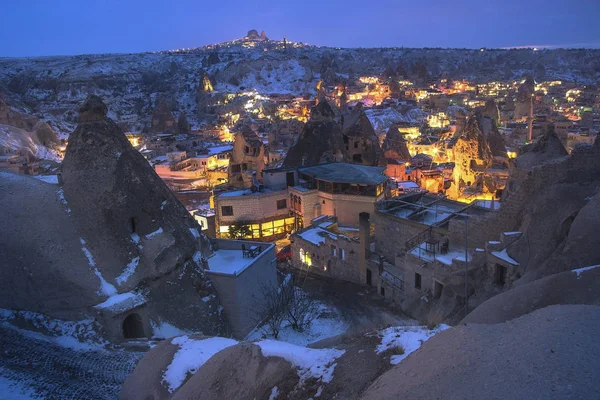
117	228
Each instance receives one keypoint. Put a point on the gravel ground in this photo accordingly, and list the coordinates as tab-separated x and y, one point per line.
49	371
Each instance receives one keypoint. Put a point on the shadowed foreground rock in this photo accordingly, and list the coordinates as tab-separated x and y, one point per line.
113	231
551	353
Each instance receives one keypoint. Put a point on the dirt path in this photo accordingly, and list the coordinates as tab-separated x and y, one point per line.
360	306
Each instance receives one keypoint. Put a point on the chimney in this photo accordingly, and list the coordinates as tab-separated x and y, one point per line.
364	232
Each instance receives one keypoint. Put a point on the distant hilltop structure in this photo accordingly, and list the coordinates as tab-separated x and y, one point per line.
255	37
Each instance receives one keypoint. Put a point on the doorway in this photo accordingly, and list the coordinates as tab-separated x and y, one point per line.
437	289
289	179
500	275
133	327
369	277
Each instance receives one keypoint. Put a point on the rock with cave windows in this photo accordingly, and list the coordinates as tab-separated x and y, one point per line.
110	243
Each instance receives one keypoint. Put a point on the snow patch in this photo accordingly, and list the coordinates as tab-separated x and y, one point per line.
164	330
192	355
53	179
106	288
61	197
195	233
410	338
311	363
128	271
155	233
122	301
580	270
163	204
504	256
274	393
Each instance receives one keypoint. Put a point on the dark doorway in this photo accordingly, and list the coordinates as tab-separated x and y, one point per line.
369	277
382	291
417	281
132	225
357	158
289	179
437	289
133	327
500	275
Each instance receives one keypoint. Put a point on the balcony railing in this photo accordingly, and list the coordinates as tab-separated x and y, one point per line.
392	280
418	239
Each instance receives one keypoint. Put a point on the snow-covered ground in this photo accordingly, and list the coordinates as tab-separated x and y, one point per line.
192	354
405	340
311	363
326	322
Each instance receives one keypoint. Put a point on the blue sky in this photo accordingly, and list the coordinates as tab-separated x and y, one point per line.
65	27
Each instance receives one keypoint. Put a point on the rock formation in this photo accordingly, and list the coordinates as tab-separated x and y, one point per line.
487	118
38	131
394	144
183	126
162	118
473	361
361	144
329	137
472	154
247	159
570	287
113	231
524	98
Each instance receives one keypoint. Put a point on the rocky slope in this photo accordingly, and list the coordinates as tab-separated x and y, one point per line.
52	87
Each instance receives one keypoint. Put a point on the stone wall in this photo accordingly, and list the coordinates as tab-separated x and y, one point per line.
251	207
324	263
242	295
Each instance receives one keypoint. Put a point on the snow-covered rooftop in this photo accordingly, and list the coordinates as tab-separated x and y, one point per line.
230	262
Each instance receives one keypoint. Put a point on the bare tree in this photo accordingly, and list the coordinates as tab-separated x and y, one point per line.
283	303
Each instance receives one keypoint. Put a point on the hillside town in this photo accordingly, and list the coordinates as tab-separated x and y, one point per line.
291	213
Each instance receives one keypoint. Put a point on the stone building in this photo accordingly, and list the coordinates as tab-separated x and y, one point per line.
241	279
336	189
247	160
264	211
329	250
420	242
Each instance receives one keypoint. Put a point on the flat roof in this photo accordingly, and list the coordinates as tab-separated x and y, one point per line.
346	173
231	262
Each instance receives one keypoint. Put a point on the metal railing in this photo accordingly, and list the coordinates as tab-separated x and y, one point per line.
416	240
392	280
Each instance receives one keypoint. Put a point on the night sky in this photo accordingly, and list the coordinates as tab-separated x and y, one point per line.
66	27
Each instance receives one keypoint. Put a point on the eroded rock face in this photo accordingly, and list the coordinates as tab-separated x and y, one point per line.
329	137
126	215
162	118
472	154
524	98
183	126
394	145
92	110
557	342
